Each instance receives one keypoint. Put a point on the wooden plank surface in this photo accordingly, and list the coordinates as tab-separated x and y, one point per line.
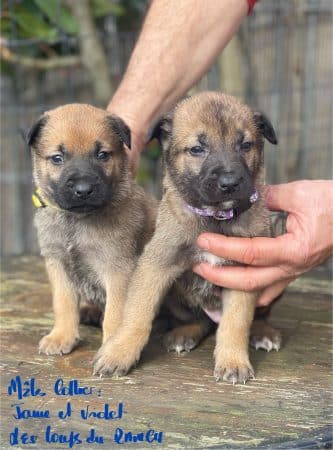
289	405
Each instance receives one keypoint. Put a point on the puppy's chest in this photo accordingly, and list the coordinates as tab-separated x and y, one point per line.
78	252
84	275
200	292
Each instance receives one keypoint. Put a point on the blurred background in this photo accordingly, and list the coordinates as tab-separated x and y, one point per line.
61	51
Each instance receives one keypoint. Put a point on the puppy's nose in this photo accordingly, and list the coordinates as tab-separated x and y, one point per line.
228	181
83	188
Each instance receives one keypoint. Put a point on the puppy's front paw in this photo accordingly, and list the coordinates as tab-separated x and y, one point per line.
58	343
116	357
233	370
234	374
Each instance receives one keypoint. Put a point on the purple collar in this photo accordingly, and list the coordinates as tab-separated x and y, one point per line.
225	214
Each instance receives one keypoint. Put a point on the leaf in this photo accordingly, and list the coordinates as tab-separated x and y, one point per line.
34	26
5	26
102	8
59	15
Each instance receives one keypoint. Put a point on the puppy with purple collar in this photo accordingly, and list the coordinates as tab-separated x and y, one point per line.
213	158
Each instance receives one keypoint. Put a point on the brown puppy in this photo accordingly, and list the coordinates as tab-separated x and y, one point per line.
213	154
93	221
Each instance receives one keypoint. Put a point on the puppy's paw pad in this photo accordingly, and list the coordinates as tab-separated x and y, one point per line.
234	375
179	343
268	343
57	344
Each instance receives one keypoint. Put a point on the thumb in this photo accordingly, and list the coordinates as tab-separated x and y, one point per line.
272	292
280	197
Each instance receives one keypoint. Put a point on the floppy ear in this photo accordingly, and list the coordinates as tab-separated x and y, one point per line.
34	134
265	127
163	130
119	127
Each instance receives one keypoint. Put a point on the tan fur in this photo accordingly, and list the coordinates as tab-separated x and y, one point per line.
88	256
169	256
116	291
78	126
65	333
232	338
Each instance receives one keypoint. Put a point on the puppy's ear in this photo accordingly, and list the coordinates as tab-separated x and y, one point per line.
265	127
33	135
163	130
118	126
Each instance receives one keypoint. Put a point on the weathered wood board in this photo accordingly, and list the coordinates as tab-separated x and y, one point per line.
289	405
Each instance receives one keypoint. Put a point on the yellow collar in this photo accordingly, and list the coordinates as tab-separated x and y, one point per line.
40	201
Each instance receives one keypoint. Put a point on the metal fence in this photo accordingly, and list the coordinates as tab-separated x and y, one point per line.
280	62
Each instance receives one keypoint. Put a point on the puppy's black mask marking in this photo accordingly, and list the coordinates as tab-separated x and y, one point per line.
224	175
82	186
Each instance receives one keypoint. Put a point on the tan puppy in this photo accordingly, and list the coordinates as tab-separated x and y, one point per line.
213	154
93	221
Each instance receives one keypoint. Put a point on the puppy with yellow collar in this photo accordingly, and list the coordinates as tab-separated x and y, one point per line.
92	219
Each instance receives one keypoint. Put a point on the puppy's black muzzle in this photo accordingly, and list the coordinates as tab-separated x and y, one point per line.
82	189
228	182
218	185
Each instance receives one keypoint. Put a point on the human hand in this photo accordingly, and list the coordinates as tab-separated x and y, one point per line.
271	263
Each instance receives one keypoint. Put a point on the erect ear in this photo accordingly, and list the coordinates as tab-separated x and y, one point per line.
162	131
119	127
33	135
265	127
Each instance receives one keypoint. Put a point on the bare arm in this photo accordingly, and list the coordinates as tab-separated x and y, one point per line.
178	43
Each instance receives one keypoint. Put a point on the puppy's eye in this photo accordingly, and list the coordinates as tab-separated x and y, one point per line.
57	159
197	151
246	146
103	156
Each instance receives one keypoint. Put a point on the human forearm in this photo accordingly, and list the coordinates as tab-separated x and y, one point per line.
178	43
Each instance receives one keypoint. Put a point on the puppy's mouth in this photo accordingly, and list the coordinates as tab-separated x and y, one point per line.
227	209
67	202
83	209
225	202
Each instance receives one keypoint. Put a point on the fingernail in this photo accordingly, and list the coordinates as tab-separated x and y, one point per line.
203	243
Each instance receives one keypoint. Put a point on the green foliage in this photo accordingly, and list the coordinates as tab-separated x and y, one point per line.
59	15
153	151
48	19
148	164
102	8
25	20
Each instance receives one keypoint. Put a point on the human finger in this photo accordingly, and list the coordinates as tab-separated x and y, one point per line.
272	292
284	197
259	251
241	278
